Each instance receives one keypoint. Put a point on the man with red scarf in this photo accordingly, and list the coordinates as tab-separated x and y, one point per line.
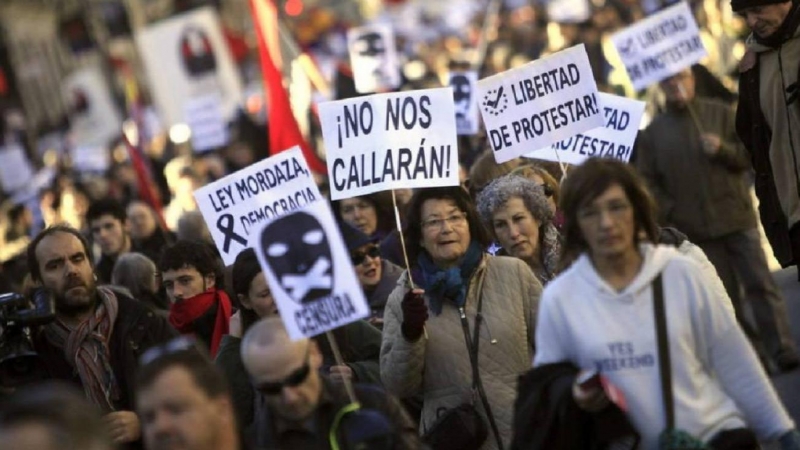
191	276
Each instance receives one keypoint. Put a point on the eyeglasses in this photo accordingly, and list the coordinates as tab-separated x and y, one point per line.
438	224
177	345
359	257
294	379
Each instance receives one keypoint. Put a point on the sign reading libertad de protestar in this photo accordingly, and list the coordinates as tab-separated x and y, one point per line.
540	103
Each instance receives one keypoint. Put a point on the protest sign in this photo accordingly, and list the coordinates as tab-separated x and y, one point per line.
15	169
186	57
659	46
569	11
373	57
389	141
613	140
90	158
233	206
465	99
540	103
204	117
93	116
309	271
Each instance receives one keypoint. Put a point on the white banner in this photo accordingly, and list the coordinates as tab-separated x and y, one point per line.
390	141
234	206
204	117
15	168
373	57
91	158
613	140
568	11
660	46
94	119
540	103
309	271
465	97
186	57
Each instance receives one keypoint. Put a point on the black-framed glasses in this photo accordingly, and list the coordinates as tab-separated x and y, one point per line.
359	256
294	379
176	345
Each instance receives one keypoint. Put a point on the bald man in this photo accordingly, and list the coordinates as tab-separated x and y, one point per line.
297	405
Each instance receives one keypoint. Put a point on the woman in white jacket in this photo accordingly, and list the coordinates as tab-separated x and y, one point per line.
598	314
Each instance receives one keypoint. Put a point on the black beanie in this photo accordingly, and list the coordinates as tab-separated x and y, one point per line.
738	5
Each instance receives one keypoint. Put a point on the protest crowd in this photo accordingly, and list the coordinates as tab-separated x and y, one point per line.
499	224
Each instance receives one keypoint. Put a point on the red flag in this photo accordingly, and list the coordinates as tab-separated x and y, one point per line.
284	133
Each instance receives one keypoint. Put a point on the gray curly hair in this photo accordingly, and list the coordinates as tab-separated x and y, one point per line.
501	190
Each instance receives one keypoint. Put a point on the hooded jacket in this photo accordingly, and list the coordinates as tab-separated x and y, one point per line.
768	122
718	383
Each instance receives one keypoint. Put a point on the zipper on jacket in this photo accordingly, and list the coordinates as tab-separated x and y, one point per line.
788	120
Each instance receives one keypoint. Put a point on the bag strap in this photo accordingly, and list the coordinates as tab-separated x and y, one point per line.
472	349
663	350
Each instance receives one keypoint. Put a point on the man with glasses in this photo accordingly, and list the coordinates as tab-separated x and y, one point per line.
299	408
697	169
184	401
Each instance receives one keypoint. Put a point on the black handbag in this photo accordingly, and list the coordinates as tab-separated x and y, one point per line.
462	427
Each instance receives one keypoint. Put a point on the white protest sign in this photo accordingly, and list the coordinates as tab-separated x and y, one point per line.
568	11
390	141
466	101
309	271
15	169
91	158
93	116
540	103
373	56
233	206
204	117
186	57
613	140
659	46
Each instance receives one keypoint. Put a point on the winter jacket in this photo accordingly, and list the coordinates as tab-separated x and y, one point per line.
438	366
704	197
377	298
717	381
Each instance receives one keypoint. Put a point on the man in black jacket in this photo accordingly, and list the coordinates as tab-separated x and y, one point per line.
98	334
108	223
299	408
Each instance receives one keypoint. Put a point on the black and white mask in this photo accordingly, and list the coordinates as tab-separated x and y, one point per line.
462	93
299	254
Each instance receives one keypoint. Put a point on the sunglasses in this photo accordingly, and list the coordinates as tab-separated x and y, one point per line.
358	257
294	379
177	345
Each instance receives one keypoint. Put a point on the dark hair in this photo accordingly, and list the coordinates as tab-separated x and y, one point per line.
187	254
72	422
33	263
104	207
384	210
206	375
413	231
587	182
245	269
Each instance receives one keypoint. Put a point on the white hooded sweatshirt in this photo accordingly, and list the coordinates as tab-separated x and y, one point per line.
718	382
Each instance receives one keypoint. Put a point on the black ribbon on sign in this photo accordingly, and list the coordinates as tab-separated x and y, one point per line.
230	234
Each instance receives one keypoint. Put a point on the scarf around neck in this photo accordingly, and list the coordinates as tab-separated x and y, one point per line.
183	314
86	349
447	284
785	32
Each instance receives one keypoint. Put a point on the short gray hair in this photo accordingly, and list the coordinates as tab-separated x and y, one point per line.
501	190
135	272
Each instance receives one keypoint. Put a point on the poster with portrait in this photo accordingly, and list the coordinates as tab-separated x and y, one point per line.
373	56
465	98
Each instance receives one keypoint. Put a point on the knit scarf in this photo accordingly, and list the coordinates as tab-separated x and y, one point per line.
551	252
183	314
785	31
86	350
448	284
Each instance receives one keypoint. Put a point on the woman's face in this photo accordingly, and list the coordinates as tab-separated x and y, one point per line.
517	230
367	262
608	224
360	214
141	219
445	232
259	298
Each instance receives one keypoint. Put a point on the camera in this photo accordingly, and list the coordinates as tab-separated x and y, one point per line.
19	362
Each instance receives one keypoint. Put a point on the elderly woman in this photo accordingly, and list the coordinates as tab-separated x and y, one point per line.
516	211
458	291
138	274
372	214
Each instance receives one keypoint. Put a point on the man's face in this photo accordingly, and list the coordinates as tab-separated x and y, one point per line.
66	271
142	222
176	414
185	283
608	224
765	20
679	88
110	233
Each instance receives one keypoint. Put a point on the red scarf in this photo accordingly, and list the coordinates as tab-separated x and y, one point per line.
183	314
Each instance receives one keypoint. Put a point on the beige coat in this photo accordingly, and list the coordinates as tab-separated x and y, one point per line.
438	367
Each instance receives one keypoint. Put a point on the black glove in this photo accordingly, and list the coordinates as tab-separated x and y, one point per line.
415	313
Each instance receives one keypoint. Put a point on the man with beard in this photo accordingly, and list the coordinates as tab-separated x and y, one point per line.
184	400
108	223
98	335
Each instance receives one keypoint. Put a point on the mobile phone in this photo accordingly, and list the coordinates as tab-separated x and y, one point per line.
589	380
